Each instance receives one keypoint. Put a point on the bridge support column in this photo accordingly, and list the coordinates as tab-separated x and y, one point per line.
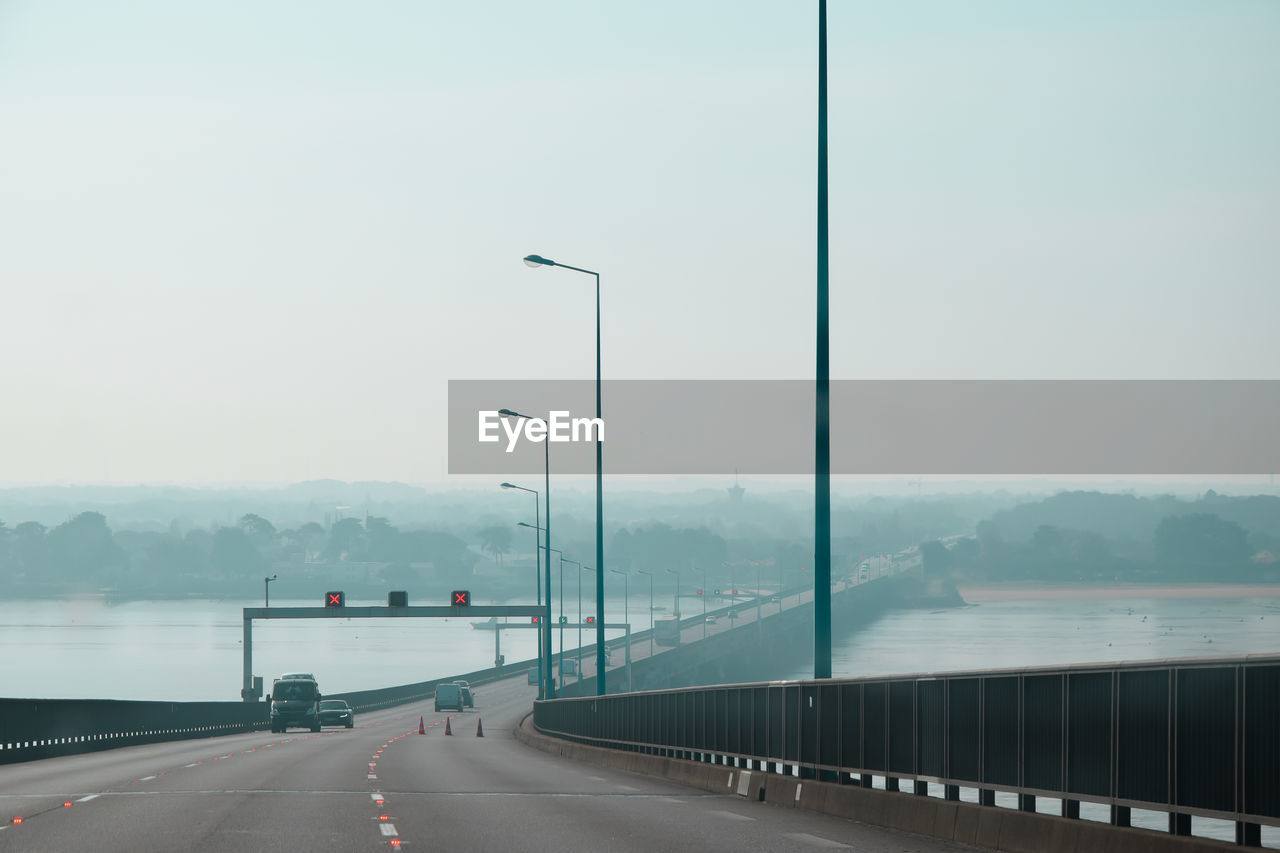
986	797
1179	824
951	792
1120	816
1248	834
1026	802
921	788
1071	809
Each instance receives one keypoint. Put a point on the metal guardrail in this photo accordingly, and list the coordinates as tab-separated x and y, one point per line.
1197	736
44	728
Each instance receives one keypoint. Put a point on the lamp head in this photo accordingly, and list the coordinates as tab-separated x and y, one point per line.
507	413
536	261
507	486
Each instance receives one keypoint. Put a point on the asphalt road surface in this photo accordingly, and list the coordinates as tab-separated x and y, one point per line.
383	786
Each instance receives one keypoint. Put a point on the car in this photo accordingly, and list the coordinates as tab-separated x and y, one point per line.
711	620
449	696
468	694
336	712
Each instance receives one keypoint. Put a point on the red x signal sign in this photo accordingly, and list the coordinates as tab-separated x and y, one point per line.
335	599
461	598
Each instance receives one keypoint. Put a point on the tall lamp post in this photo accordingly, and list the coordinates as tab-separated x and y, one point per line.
548	680
579	620
539	261
626	618
703	595
822	392
266	589
537	550
561	558
650	574
585	570
537	537
675	605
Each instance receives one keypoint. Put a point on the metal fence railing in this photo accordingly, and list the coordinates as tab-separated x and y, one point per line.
1194	736
44	728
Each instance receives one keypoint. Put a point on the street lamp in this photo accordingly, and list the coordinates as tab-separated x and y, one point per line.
266	586
537	539
626	618
650	574
676	603
587	570
537	565
561	558
822	390
703	596
579	573
548	680
539	261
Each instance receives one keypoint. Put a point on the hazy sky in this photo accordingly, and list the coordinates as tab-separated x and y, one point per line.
246	241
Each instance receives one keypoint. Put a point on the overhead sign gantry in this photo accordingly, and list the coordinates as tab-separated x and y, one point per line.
335	607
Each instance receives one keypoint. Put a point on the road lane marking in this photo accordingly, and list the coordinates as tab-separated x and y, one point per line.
192	764
731	815
146	778
628	788
388	829
88	798
815	840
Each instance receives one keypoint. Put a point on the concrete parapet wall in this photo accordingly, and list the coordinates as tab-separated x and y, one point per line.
985	826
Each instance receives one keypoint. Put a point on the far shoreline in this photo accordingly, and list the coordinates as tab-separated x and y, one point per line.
976	594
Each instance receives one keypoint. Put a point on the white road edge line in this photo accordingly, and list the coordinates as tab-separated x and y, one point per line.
388	829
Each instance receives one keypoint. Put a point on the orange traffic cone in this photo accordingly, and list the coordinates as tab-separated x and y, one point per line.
448	729
479	727
422	730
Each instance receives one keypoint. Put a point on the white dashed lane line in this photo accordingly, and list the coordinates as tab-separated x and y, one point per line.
731	815
88	798
146	778
388	829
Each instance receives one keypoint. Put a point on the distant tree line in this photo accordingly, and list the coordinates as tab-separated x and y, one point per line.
83	555
1091	536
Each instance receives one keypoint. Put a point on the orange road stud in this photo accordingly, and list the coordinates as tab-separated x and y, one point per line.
479	727
422	730
447	728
